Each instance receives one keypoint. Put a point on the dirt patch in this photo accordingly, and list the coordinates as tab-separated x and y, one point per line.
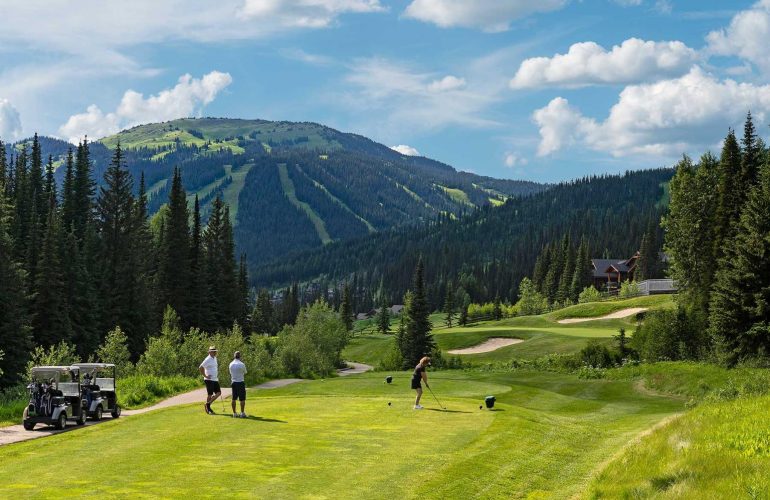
491	344
623	313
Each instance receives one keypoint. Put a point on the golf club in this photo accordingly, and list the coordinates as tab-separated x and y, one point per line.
434	397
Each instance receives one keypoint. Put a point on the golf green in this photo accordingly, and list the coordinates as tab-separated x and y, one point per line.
339	437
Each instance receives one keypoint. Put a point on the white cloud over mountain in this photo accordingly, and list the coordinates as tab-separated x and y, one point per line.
664	118
406	150
188	97
305	13
488	15
588	63
10	121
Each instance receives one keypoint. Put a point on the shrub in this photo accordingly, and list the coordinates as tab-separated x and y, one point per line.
393	360
115	350
530	300
589	294
670	335
629	289
591	373
597	355
143	390
61	354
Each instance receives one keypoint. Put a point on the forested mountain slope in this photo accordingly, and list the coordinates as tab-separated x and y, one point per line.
291	186
488	252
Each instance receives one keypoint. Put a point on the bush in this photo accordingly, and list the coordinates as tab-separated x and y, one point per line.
12	403
61	354
629	289
589	294
591	373
597	355
393	360
115	350
530	301
313	346
670	336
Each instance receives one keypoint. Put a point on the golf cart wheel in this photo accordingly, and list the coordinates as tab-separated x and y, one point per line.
116	412
98	413
28	426
81	418
61	422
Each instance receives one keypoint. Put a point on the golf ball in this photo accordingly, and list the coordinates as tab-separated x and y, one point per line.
388	403
480	408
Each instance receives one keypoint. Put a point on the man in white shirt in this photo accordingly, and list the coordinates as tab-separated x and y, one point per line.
210	371
237	376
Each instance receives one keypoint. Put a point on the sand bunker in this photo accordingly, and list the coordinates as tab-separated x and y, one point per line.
491	344
623	313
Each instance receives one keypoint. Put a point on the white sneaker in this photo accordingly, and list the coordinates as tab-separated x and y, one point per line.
243	415
418	407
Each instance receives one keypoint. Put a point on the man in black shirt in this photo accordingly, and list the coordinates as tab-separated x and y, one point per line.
419	375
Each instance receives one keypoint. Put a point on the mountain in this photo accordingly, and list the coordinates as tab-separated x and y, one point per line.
293	186
486	253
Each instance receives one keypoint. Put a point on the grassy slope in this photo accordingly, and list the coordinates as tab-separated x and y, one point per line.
232	191
457	195
288	189
542	335
339	202
323	439
721	449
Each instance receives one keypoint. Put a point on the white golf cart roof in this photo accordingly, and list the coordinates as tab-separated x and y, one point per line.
63	369
88	366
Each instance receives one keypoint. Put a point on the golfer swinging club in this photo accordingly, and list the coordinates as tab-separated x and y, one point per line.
419	375
210	371
237	373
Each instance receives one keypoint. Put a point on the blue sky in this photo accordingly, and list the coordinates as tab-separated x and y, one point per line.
548	90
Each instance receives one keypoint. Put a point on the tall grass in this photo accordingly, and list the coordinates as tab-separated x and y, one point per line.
138	391
12	403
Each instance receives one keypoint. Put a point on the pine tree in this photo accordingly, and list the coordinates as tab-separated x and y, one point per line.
199	297
419	340
542	265
243	294
262	318
80	297
51	323
174	256
68	193
449	306
383	318
583	275
231	294
565	281
84	190
346	308
15	331
740	303
37	182
115	208
750	161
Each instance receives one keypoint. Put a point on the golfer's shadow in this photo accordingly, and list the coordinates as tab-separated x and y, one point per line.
252	417
447	411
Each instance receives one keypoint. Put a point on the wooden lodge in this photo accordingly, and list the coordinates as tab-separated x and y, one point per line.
610	273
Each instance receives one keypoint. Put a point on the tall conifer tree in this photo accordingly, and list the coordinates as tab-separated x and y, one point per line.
417	322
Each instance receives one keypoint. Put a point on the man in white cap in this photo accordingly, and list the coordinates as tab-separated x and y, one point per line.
237	376
210	371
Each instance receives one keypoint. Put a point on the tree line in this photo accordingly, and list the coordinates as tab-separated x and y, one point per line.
717	233
76	261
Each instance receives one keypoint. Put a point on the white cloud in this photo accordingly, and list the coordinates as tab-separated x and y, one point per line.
588	63
746	37
488	15
406	150
10	121
305	13
663	7
400	96
449	82
662	119
188	97
628	3
513	160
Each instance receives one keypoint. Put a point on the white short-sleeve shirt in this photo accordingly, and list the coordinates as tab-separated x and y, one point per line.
210	368
237	370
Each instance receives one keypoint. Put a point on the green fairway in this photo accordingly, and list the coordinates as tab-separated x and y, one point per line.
339	438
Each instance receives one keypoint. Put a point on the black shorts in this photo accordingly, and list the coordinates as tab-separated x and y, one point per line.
239	391
416	384
212	387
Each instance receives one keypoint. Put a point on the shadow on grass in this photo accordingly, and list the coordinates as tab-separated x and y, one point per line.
252	417
447	411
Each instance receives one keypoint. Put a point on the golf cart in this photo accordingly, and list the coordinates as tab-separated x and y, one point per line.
98	389
54	396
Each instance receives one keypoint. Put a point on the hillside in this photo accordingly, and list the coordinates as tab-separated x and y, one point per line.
488	252
293	186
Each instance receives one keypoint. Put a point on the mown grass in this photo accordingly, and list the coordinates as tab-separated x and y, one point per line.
339	437
597	309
